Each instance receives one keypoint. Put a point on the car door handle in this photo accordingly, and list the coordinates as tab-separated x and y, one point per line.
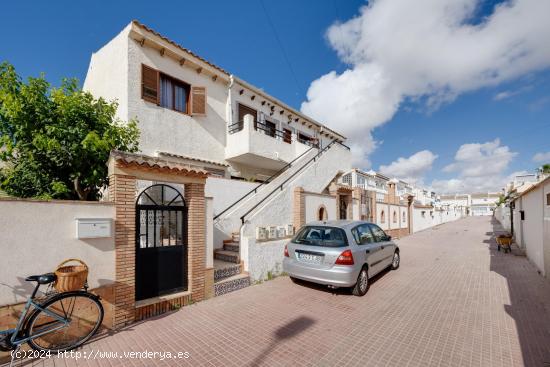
382	247
368	251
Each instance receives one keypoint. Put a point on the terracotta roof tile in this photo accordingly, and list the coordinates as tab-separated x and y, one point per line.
156	162
143	26
180	156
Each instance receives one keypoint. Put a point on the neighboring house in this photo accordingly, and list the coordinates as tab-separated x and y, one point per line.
484	203
462	201
526	214
255	149
397	206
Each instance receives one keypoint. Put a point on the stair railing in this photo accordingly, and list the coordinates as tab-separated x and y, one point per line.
268	180
280	187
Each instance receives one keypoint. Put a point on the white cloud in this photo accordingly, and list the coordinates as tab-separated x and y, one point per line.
411	169
542	157
479	166
402	49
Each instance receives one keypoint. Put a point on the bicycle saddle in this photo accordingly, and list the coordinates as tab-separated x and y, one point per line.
42	279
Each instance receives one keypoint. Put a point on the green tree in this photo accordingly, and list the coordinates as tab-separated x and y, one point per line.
55	142
545	168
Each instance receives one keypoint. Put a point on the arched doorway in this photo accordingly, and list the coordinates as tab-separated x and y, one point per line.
322	213
343	207
161	242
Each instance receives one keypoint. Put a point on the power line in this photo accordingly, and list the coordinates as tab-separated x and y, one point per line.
287	60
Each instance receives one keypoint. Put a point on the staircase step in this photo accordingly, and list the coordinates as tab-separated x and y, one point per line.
229	256
231	284
227	271
233	247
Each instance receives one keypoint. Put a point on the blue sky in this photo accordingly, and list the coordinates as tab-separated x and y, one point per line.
57	38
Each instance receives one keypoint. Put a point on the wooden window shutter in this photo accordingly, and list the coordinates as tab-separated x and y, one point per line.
198	100
245	110
149	84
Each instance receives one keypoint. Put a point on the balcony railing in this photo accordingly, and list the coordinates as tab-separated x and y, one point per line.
285	136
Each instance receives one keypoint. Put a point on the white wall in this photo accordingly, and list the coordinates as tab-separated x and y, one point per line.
313	203
532	204
226	191
265	257
107	74
38	235
171	131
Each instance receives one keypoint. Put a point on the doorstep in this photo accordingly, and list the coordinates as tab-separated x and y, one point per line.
153	300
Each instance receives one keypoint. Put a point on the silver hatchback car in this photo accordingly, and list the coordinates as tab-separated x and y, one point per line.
340	253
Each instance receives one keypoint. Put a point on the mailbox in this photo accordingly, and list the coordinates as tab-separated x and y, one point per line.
94	228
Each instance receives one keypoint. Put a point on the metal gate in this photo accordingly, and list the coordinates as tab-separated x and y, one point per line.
161	242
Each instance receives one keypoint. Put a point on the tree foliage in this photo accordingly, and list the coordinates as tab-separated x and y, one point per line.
55	142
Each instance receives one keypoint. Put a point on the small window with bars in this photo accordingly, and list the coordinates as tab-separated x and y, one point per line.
347	179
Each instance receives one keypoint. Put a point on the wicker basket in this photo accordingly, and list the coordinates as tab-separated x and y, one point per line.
71	277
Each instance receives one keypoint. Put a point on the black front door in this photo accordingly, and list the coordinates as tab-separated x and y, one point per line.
161	242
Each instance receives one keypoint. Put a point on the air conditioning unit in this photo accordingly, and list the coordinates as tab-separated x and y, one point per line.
261	233
272	232
290	230
281	232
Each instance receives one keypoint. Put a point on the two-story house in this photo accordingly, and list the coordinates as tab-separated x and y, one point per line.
255	148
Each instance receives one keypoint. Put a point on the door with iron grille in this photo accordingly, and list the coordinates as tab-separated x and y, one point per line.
161	242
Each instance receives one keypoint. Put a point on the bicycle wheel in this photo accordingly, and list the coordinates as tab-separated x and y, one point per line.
82	311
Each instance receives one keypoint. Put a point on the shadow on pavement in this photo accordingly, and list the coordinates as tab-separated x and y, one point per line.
287	331
529	301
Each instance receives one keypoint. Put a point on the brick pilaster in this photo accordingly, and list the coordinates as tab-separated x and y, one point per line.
196	238
298	208
122	190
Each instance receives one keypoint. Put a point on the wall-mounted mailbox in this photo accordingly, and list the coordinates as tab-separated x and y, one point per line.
94	227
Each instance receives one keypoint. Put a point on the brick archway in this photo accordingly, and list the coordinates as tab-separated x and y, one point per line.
125	169
322	213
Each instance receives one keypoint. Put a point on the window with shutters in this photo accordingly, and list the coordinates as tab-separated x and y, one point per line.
149	84
172	93
245	110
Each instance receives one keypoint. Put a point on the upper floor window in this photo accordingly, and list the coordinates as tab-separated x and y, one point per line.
169	92
174	94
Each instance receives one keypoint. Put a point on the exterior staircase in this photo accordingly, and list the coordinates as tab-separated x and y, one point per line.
228	274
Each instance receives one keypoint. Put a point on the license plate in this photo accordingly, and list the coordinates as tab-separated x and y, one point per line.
314	259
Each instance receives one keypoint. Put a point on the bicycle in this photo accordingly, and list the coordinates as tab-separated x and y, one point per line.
58	323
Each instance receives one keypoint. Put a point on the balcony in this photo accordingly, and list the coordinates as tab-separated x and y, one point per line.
256	144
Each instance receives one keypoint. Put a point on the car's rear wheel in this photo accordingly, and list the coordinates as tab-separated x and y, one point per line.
395	261
362	285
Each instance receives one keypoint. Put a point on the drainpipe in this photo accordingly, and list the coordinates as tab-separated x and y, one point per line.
230	101
512	206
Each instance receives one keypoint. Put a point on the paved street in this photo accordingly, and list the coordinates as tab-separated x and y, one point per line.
455	301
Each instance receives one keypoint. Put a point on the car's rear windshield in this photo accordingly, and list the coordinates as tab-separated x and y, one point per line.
321	236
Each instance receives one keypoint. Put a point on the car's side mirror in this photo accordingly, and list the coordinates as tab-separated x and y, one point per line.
388	237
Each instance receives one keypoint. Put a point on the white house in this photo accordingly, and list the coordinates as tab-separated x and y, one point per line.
255	148
527	216
484	203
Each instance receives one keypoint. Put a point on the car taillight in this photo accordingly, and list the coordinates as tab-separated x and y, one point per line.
286	251
345	258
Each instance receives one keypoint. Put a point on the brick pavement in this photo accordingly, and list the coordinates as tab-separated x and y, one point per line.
455	301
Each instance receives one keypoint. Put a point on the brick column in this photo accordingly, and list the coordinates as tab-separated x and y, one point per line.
196	239
122	190
410	210
357	194
299	208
